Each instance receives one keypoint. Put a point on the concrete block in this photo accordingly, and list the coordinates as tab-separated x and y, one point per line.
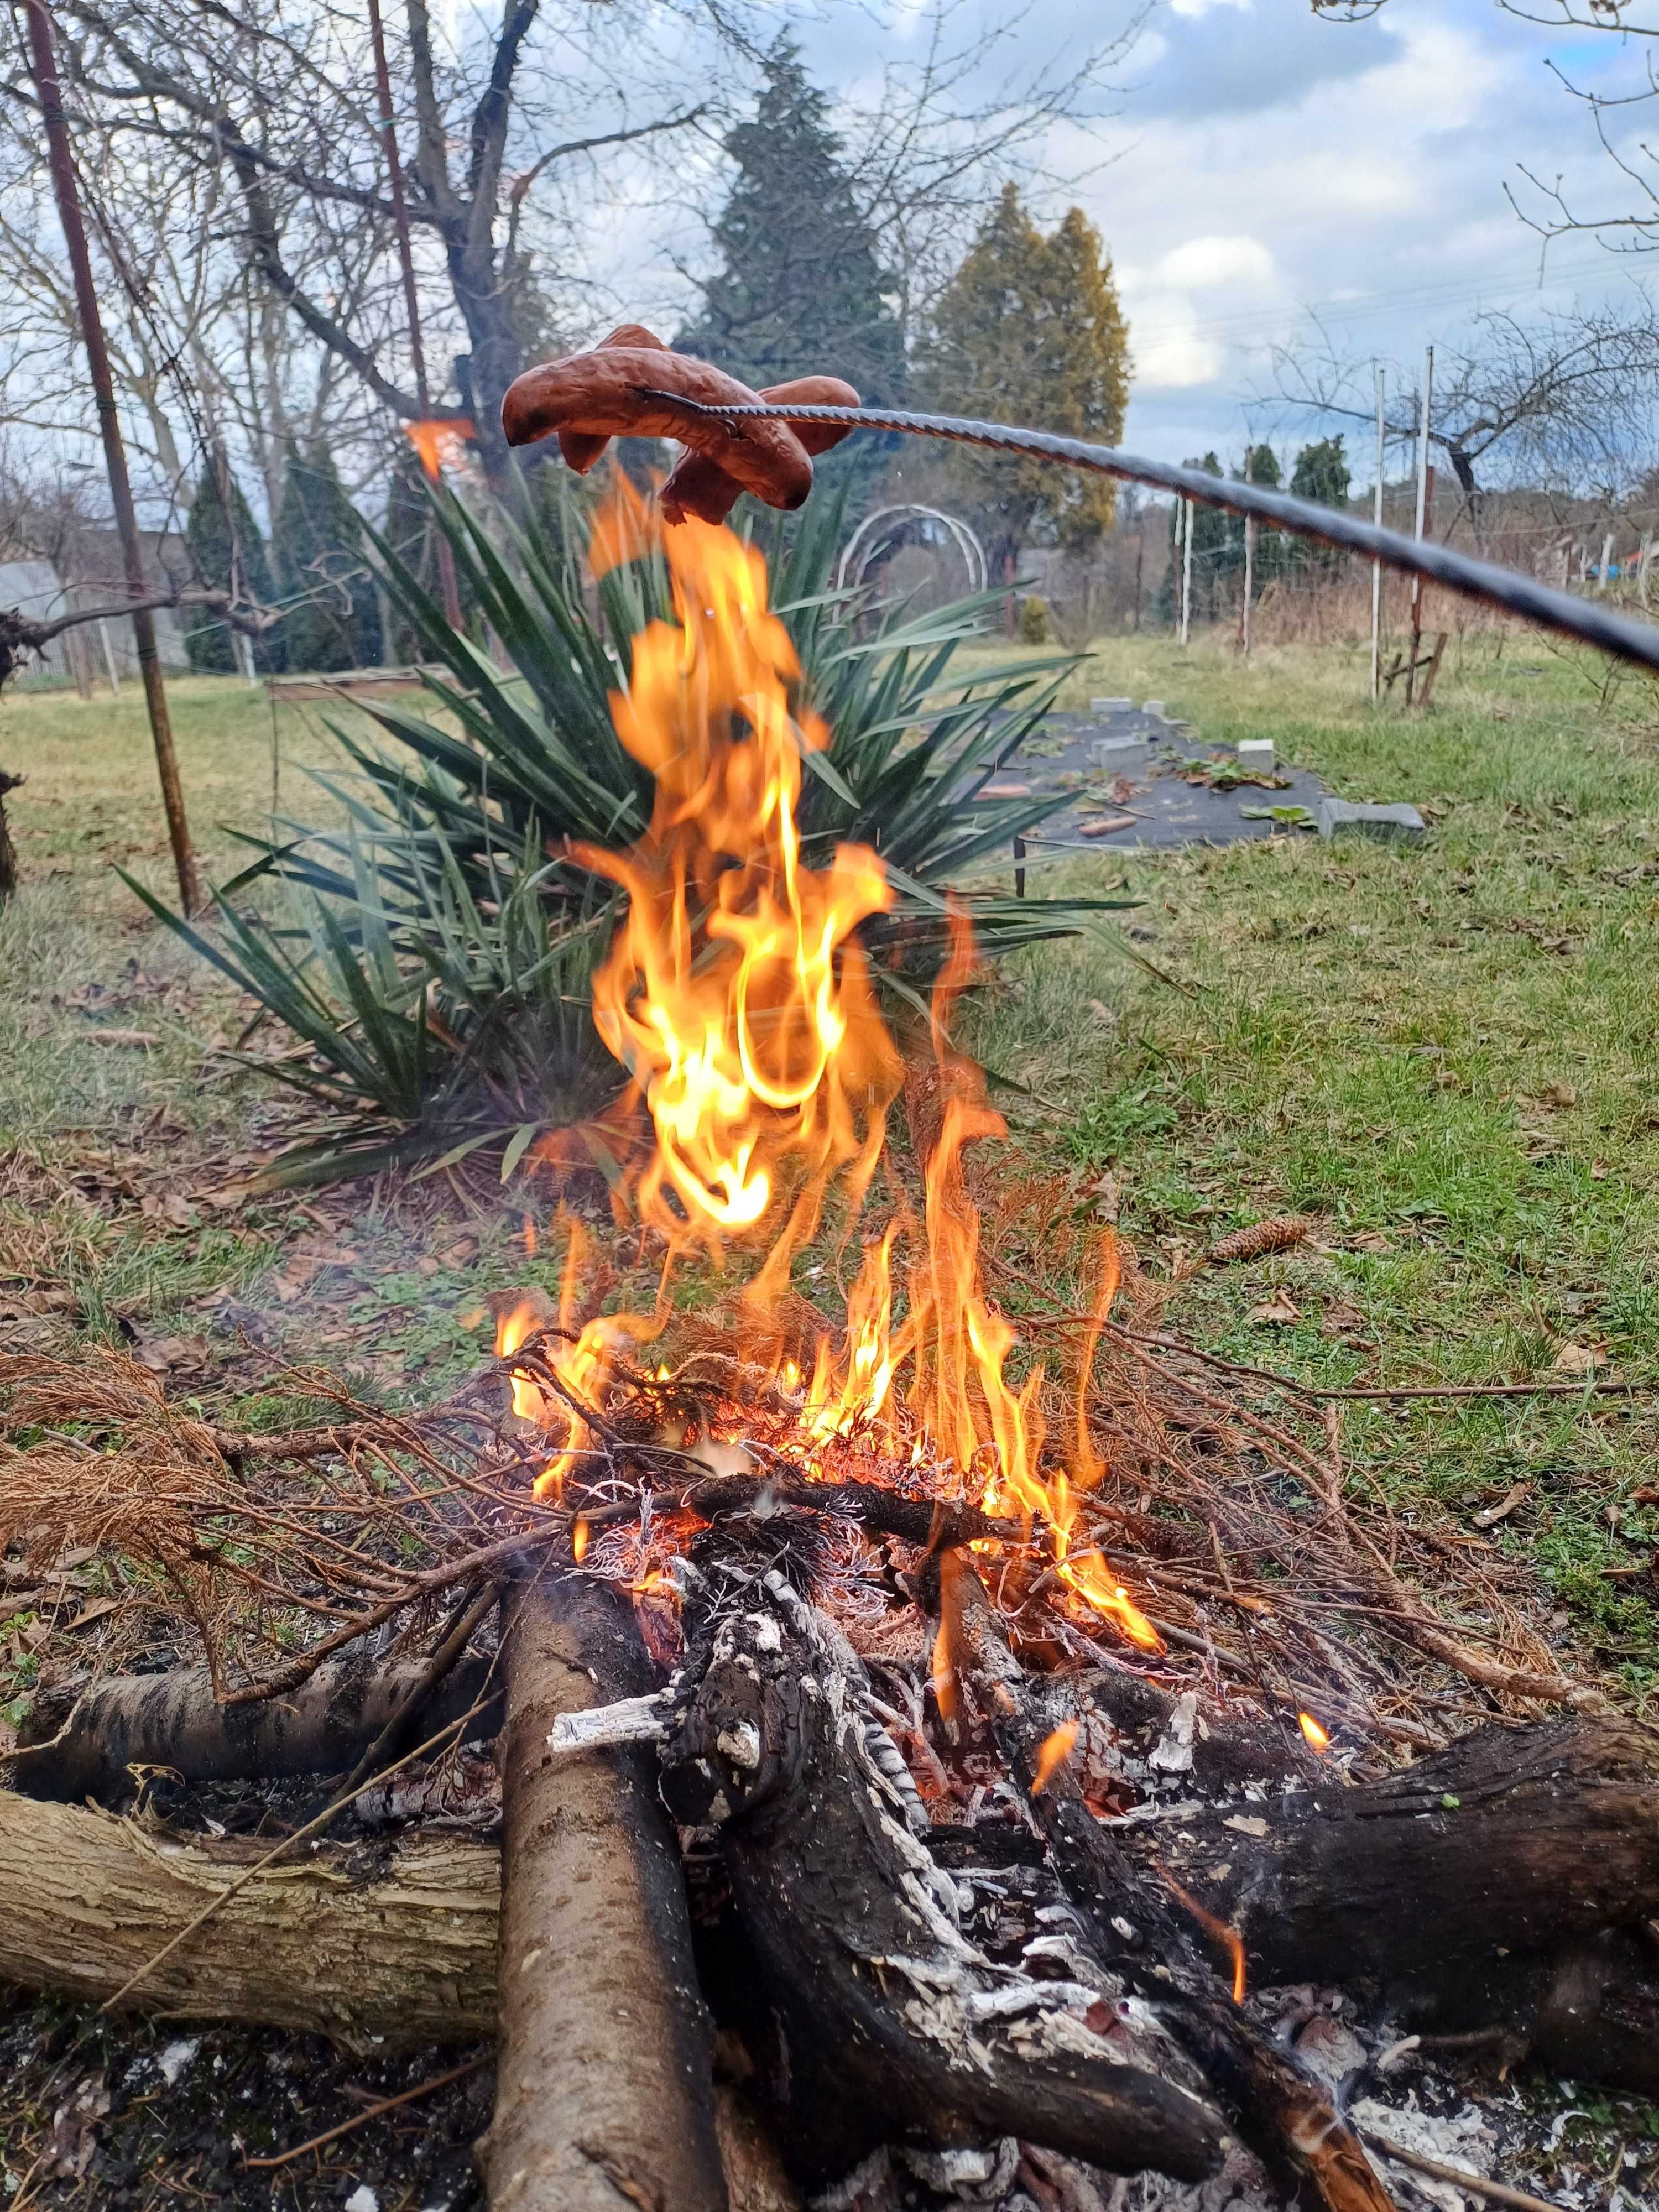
1153	707
1259	755
1105	750
1110	705
1398	824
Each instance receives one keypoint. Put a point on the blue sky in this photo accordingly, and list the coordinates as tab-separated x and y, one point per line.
1272	166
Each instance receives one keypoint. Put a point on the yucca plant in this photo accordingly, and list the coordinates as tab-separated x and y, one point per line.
439	973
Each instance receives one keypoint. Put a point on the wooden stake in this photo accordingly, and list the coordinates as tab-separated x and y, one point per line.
1423	473
44	63
1377	566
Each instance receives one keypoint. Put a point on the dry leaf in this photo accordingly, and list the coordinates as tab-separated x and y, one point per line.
1247	1825
1493	1514
1580	1358
1278	1310
1558	1094
132	1040
94	1610
1107	1197
1342	1319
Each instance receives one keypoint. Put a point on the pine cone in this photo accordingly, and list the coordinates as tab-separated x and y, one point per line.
1276	1234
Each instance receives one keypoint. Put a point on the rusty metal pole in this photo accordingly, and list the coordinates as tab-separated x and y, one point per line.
44	62
394	170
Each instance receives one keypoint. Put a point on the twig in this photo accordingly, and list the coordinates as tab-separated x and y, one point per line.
1498	2192
311	1828
374	2111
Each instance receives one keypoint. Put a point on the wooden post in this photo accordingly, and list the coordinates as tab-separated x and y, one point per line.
1186	569
394	170
44	62
1603	566
109	658
1422	474
1250	580
1376	517
1140	555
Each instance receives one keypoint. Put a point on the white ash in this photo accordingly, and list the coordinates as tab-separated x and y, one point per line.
1458	2139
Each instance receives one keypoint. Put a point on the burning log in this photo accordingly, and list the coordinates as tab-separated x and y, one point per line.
879	2018
605	2090
1287	2119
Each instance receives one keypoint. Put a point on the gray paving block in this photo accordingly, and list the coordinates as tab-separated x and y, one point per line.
1398	824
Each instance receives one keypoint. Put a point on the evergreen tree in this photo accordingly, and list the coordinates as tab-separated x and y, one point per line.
333	620
228	552
1321	473
1029	330
1271	546
800	290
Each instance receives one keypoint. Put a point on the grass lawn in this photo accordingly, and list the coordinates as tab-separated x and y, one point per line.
1447	1056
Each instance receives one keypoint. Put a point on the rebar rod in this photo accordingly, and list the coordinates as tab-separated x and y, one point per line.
1591	625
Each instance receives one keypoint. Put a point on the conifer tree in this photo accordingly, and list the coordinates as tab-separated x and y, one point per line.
1321	473
229	552
800	289
333	622
1029	330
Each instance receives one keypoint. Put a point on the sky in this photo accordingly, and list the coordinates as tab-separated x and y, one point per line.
1269	166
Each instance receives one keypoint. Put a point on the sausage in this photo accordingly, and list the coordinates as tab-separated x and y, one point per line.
600	395
580	448
697	485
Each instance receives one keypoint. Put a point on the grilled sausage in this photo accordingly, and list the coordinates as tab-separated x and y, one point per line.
601	394
699	485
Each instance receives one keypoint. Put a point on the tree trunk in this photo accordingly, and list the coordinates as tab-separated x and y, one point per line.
604	2091
7	850
394	1947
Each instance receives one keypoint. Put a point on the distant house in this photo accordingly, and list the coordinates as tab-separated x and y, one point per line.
82	655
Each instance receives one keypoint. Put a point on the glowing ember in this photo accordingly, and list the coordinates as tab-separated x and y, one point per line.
1056	1749
1317	1735
579	1536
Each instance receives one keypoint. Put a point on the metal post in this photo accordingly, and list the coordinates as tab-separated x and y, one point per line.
1377	566
44	61
1249	575
1422	513
1186	569
394	170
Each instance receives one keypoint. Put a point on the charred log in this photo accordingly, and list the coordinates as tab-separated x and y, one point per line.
886	2022
80	1744
1138	1927
605	2092
1512	1879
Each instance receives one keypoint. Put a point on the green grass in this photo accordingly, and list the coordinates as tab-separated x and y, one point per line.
1450	1051
1447	1056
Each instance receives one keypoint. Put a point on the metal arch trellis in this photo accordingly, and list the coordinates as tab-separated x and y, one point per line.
1635	642
964	539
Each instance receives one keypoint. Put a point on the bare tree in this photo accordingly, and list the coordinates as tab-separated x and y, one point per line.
1542	203
1564	399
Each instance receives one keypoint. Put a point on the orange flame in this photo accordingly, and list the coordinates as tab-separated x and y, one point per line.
1055	1750
511	1330
761	1056
1317	1737
1228	1938
737	994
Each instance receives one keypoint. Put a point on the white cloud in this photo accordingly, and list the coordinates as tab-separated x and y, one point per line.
1203	263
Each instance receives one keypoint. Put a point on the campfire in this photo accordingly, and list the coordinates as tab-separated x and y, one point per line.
938	1723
